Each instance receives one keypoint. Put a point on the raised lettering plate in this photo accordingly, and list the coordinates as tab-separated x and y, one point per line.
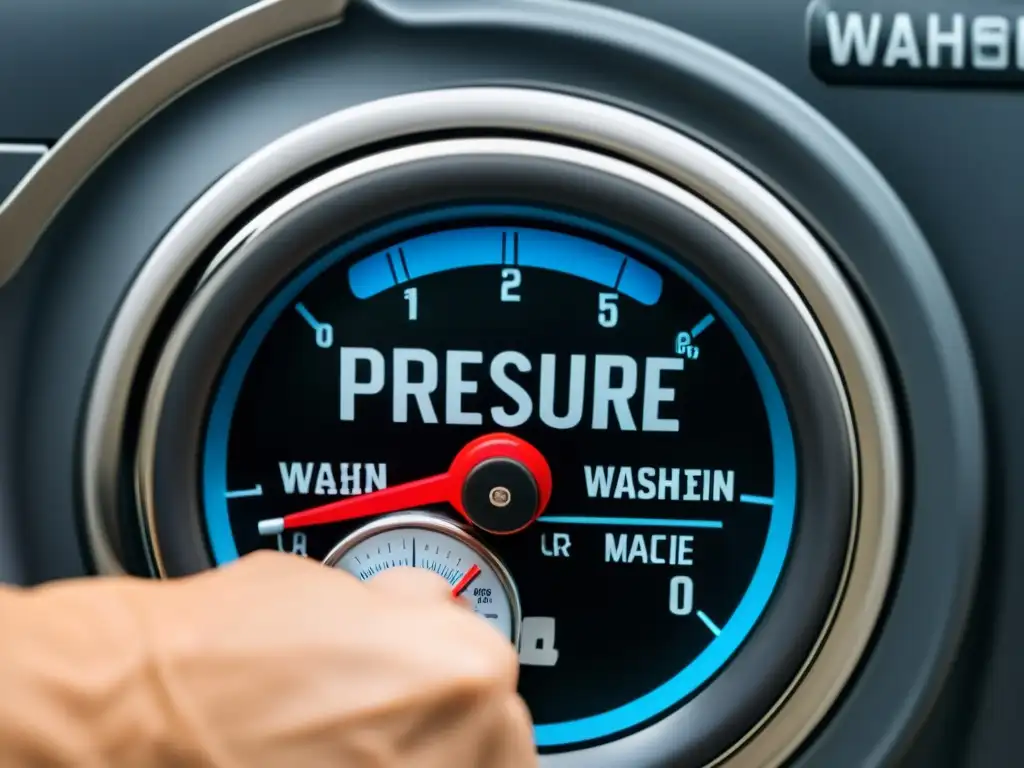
892	44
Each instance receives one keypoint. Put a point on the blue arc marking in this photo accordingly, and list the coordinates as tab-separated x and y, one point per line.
641	521
482	246
782	511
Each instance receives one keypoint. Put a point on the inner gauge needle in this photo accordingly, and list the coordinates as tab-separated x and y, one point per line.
466	580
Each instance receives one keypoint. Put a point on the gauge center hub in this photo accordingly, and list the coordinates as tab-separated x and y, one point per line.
500	495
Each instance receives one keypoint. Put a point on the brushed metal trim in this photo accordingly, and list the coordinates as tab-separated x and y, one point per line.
684	161
33	204
23	149
20	150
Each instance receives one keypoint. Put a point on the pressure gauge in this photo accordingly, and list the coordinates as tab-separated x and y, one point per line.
421	540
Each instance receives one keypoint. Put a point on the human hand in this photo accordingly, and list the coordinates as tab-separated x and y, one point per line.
272	661
276	661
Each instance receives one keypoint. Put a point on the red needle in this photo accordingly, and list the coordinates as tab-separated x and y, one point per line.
443	488
466	580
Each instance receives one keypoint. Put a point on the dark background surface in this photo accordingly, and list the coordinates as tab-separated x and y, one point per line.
955	158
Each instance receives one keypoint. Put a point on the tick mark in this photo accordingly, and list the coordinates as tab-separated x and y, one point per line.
391	266
709	623
405	267
257	491
640	521
622	271
702	326
307	316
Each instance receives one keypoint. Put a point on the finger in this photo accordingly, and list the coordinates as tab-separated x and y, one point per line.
413	584
511	743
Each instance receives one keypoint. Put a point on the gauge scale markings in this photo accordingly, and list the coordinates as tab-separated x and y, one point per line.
485	246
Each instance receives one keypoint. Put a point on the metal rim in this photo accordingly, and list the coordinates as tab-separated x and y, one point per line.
42	193
430	522
691	165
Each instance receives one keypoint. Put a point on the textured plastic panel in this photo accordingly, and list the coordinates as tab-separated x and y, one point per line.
955	158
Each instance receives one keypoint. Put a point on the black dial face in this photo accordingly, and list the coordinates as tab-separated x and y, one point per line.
670	507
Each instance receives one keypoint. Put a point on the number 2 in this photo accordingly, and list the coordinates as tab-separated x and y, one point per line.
511	279
607	310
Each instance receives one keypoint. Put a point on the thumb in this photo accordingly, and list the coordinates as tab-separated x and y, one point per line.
413	584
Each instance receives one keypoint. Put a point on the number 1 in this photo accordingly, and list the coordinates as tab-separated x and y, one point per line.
412	296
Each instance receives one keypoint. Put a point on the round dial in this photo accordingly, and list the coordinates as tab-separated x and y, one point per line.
435	544
673	500
602	385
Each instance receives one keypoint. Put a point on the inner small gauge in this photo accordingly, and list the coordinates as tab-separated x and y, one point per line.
619	415
434	543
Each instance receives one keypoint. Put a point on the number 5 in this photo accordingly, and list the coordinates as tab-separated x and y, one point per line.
607	309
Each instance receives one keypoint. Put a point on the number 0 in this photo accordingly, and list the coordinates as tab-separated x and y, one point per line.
324	335
680	596
607	309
